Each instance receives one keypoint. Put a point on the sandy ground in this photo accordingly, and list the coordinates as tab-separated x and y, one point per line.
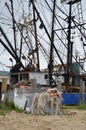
72	120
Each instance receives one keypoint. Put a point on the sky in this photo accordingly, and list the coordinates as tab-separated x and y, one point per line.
21	11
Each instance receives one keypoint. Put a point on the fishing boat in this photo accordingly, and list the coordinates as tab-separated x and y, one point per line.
44	42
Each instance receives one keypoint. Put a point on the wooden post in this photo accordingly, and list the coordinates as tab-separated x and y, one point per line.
0	91
82	86
25	105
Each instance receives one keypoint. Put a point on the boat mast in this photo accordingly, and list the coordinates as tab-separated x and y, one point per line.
39	17
36	40
70	46
70	43
14	28
51	47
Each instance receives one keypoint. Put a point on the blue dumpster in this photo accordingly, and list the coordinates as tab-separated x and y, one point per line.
71	98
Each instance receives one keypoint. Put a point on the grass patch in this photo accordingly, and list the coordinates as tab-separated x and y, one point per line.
80	107
17	109
8	106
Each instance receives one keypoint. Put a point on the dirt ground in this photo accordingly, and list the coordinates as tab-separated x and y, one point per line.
71	120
